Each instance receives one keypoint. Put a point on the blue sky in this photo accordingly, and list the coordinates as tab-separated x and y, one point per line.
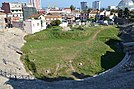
67	3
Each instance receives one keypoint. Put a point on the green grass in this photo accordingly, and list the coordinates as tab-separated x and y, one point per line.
61	53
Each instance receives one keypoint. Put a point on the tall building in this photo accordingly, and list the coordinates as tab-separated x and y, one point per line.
84	6
36	3
28	11
96	5
31	2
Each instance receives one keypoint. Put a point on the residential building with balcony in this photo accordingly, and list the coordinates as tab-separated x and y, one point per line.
50	18
13	10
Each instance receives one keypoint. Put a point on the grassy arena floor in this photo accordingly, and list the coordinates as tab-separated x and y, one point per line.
54	54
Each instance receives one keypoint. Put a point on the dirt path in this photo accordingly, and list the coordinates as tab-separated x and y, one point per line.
88	42
95	35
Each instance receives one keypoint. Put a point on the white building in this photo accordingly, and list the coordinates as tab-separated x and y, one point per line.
13	10
112	7
96	5
35	24
76	13
106	13
55	11
93	13
50	18
32	26
16	11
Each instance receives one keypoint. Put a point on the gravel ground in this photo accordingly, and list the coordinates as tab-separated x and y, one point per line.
119	77
9	59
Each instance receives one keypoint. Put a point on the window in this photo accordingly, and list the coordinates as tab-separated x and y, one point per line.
12	10
38	24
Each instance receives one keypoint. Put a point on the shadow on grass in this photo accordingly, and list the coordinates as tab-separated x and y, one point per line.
60	78
80	76
111	59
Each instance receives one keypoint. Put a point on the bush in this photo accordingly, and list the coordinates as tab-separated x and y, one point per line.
31	66
56	23
80	28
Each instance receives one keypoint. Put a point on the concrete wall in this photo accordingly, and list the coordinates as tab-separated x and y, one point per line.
27	26
32	26
2	22
17	24
36	26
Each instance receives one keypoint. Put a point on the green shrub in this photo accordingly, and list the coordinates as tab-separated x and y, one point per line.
56	23
31	66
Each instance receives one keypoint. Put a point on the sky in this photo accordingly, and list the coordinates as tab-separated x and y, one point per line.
67	3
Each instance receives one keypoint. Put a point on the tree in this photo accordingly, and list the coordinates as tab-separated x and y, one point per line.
56	23
89	10
113	11
102	9
72	7
126	12
131	15
120	13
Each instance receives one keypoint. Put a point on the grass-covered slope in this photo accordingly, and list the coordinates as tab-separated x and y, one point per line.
71	54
